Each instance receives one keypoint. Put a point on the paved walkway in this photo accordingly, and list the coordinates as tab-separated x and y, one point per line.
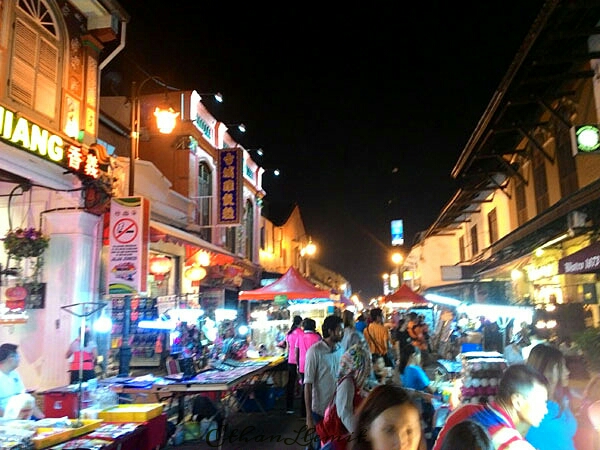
271	430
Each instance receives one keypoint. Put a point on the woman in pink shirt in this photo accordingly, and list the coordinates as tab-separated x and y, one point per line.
310	337
291	340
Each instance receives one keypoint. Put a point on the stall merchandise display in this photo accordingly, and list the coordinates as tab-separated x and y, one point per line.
481	373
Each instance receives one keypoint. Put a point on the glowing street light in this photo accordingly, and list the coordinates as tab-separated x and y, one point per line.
308	252
165	121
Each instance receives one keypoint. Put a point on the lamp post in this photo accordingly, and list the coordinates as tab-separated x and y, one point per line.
165	120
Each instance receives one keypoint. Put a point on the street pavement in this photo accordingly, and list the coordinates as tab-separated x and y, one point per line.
273	429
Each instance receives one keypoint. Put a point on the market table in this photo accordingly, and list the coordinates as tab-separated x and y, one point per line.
218	383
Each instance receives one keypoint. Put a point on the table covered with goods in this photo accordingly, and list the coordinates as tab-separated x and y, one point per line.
122	427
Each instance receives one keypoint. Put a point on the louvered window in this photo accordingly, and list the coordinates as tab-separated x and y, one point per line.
34	69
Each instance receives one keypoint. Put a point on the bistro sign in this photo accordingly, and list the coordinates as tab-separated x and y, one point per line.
586	260
19	131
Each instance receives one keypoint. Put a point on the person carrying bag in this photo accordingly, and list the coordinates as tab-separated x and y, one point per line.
337	426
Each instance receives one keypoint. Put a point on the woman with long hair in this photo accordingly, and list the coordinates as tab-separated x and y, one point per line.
388	418
559	425
355	368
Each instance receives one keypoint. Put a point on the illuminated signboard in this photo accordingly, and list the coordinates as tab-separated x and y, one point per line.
585	139
229	166
397	228
22	133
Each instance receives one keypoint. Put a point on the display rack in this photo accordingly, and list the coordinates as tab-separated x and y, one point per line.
82	310
142	340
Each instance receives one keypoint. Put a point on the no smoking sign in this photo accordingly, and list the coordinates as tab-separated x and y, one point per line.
125	231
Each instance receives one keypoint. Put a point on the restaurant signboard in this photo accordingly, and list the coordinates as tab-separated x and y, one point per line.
586	260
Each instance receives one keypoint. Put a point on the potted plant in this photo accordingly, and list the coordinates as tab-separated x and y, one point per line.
588	341
25	243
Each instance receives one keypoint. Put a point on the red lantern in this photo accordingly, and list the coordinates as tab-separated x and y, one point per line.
195	273
160	266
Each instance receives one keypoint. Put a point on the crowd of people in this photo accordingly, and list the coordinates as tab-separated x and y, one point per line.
352	404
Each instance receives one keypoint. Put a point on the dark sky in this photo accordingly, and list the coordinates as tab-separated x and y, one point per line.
365	110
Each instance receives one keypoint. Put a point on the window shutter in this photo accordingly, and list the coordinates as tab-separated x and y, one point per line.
34	74
46	85
23	73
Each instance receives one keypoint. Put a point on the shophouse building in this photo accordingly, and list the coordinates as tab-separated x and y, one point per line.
523	226
54	179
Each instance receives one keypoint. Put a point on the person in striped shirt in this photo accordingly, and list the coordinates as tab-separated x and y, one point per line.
520	400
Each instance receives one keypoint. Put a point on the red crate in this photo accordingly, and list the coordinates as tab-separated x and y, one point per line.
61	404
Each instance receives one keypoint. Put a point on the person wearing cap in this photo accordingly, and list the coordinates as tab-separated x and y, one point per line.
10	380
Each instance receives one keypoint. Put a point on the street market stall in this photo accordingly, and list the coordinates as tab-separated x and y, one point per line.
293	293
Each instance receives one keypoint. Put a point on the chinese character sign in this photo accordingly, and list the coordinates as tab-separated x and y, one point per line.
230	187
128	255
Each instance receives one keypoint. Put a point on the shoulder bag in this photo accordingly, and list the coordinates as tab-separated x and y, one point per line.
331	427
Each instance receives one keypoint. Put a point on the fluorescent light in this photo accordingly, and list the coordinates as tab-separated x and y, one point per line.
442	300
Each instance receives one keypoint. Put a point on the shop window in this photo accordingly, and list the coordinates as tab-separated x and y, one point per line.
231	239
249	224
493	225
34	71
474	243
204	201
540	182
567	172
521	202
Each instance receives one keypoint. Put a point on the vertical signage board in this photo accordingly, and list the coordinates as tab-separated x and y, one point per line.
397	228
230	186
127	269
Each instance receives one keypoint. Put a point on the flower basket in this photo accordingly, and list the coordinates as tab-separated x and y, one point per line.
25	243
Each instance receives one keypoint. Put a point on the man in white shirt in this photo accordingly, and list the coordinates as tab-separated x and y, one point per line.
321	370
10	380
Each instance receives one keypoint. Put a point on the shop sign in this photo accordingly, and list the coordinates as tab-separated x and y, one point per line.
229	195
128	254
280	300
586	260
545	271
27	135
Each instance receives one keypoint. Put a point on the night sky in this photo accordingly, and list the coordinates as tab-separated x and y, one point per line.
364	111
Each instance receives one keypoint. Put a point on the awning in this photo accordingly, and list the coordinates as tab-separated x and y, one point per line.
586	260
160	232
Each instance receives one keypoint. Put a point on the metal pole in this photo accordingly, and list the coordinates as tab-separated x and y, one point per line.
134	142
125	349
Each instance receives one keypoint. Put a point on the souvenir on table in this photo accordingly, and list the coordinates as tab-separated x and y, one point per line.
481	373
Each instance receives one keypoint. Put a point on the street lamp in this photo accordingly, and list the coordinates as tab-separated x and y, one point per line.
240	126
307	252
165	121
397	259
217	96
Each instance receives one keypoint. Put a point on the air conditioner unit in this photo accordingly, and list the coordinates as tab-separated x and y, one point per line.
576	219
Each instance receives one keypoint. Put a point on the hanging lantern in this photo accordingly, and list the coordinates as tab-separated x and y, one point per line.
160	266
195	272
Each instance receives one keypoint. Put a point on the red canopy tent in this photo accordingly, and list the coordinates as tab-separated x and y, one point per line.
404	294
291	284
